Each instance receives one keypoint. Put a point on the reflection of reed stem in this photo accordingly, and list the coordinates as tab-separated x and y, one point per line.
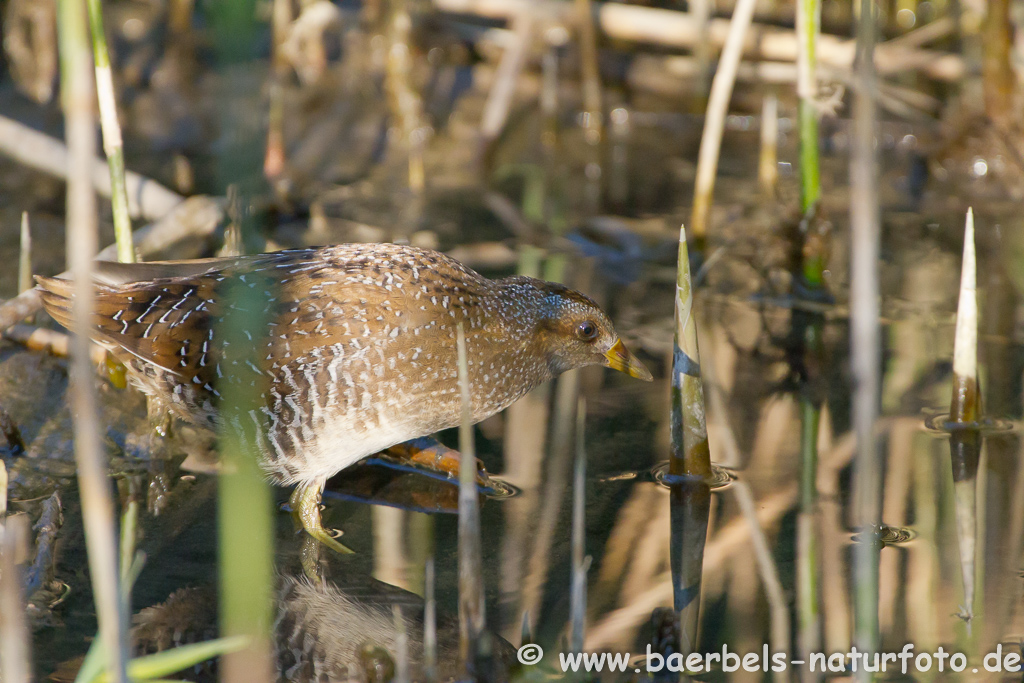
15	653
112	144
578	592
78	95
429	623
471	589
864	336
690	455
809	617
776	596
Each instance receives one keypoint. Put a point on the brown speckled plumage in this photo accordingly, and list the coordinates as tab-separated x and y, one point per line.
358	351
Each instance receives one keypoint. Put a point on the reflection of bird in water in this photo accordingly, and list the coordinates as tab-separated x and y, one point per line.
323	633
349	349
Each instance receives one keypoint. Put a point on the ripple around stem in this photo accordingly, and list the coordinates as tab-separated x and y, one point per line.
941	424
719	479
886	535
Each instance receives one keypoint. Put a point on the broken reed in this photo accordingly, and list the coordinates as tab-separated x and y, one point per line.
78	96
690	455
964	415
113	146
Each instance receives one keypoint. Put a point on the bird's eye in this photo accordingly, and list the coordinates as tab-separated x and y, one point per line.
587	331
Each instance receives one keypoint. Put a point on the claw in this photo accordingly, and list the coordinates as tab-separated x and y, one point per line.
305	504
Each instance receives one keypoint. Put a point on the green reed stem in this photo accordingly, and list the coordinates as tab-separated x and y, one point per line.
246	544
808	29
113	146
690	454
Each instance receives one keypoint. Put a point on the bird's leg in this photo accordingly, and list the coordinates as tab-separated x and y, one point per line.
305	505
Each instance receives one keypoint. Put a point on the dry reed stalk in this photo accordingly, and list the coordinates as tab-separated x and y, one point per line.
50	341
714	119
555	481
924	563
778	604
672	28
274	158
865	336
690	455
499	98
25	256
701	10
526	429
78	96
614	628
188	225
401	647
768	161
15	650
113	146
405	102
389	553
471	586
899	474
147	199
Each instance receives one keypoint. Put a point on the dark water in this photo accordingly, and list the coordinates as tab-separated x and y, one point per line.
759	370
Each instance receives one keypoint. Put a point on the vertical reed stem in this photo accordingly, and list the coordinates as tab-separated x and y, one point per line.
15	652
245	505
808	24
113	147
78	96
471	588
690	454
274	159
768	163
865	336
25	256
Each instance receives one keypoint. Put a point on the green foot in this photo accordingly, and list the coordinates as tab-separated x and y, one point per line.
305	504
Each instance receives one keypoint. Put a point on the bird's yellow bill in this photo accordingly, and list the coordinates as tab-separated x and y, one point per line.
619	358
